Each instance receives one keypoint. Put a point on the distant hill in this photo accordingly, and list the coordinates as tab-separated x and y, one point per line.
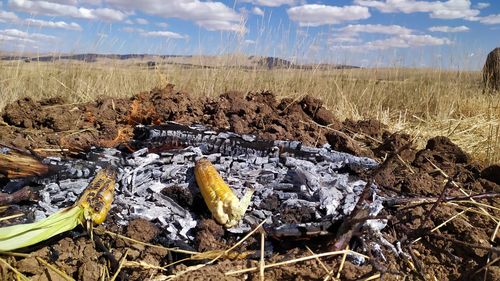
148	60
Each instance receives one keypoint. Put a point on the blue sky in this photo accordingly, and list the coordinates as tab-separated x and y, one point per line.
414	33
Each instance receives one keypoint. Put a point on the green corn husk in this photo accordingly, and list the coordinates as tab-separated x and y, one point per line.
24	235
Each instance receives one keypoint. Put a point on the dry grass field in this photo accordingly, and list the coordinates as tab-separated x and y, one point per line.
421	102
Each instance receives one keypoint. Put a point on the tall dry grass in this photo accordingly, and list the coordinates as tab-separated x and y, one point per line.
422	102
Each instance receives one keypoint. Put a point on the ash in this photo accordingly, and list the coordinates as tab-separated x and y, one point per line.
290	180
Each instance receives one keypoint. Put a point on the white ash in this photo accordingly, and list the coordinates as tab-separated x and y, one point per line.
304	181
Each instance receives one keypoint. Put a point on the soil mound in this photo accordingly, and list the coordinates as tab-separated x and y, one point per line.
109	121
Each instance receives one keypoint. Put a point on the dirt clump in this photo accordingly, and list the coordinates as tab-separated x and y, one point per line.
492	173
142	230
209	236
369	127
440	150
314	108
342	142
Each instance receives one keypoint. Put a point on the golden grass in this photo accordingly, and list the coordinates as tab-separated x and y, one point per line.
422	102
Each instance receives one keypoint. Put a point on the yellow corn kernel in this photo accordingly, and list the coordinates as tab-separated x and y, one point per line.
97	197
220	199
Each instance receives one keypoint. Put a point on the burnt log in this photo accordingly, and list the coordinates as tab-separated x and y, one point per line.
232	144
491	70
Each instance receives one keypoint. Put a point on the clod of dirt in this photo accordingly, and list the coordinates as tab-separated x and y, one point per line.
69	248
89	271
298	215
420	184
493	273
48	275
208	236
270	203
142	230
314	108
21	113
30	266
443	153
342	142
394	142
369	127
180	195
489	186
216	272
492	173
449	151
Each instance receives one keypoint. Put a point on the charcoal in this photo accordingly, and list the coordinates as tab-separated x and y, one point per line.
296	175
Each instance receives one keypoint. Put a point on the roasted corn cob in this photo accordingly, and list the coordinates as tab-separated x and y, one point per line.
97	197
92	207
220	199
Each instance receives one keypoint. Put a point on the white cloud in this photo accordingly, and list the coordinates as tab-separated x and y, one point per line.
340	39
16	35
8	17
350	33
106	14
52	24
166	34
162	24
6	38
272	3
209	15
65	2
450	9
258	11
449	29
482	5
14	19
92	2
425	40
402	41
132	29
375	28
56	9
249	42
141	21
316	15
491	19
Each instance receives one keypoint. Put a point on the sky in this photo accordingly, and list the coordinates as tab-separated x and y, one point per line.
455	34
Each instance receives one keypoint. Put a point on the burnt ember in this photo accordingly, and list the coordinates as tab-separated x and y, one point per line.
310	188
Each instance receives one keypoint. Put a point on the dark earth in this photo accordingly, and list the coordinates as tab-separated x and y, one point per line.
459	250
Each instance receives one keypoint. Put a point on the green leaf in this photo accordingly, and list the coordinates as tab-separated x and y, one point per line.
24	235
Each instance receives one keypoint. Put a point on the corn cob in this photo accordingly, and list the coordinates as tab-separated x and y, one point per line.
220	199
92	207
97	197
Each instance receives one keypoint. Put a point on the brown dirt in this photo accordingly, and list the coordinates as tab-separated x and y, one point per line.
51	123
107	122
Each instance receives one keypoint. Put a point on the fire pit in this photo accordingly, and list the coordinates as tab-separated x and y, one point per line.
300	191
